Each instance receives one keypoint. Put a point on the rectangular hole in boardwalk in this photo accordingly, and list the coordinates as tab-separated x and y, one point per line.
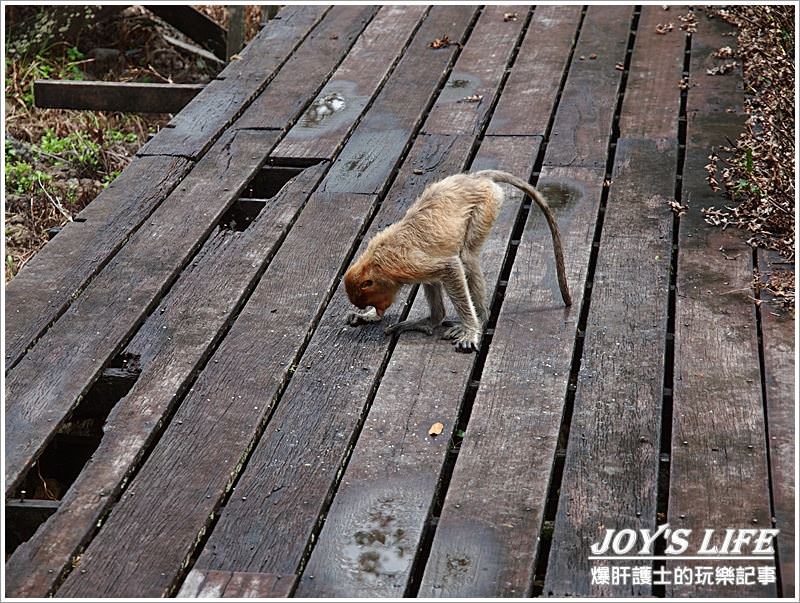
267	183
66	455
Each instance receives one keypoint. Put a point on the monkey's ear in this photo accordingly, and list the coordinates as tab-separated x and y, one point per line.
366	283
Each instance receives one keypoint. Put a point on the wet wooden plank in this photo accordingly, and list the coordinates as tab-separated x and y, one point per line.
367	159
464	103
192	132
657	61
168	349
242	384
214	583
327	122
610	474
777	329
591	91
50	379
377	518
718	471
287	94
611	468
133	97
537	73
47	284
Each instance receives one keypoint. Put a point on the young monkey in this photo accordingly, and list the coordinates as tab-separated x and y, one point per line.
438	243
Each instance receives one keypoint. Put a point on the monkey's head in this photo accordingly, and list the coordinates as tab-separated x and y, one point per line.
368	286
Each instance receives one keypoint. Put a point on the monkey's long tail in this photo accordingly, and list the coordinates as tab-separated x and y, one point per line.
500	176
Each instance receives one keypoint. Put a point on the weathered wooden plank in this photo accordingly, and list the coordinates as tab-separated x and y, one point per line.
192	132
657	61
242	384
591	90
364	164
463	105
194	24
48	283
234	40
374	526
132	97
777	329
214	583
326	123
316	58
168	350
50	379
611	468
529	93
718	471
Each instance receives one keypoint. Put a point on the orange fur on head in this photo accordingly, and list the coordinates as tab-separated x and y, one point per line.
366	285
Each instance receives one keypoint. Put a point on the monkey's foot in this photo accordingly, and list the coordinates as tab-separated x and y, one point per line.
464	338
424	325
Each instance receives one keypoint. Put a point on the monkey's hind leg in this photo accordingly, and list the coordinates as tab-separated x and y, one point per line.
476	284
467	332
433	295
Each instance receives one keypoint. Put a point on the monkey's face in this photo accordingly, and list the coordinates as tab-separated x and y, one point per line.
368	290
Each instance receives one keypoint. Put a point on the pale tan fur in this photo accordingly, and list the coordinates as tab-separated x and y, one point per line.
437	243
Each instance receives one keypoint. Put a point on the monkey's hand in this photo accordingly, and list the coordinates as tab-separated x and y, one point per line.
464	338
355	318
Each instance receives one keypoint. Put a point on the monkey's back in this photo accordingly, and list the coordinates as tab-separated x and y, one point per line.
452	213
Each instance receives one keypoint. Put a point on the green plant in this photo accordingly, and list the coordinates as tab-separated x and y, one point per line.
21	177
76	148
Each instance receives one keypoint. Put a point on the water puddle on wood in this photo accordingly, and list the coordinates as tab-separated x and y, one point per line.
378	548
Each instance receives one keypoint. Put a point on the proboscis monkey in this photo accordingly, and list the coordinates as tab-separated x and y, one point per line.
437	244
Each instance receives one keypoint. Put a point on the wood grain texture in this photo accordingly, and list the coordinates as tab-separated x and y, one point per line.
192	132
610	474
529	93
591	89
243	386
48	382
216	584
481	65
194	24
287	96
331	116
777	329
656	63
394	469
611	468
369	158
718	472
48	283
169	349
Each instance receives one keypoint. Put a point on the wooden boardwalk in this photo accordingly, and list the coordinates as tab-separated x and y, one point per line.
187	412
